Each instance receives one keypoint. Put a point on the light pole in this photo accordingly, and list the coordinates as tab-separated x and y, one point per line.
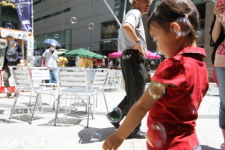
112	12
125	7
91	23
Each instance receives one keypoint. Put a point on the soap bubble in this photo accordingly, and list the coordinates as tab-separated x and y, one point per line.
184	27
23	29
56	36
20	55
33	11
95	137
12	55
115	116
91	26
9	25
73	20
203	141
13	46
156	90
156	135
35	44
214	109
202	138
3	43
194	108
198	34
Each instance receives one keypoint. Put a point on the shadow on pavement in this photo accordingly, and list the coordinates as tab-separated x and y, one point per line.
86	135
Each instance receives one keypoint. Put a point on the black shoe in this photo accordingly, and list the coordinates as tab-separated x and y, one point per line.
116	125
137	135
111	116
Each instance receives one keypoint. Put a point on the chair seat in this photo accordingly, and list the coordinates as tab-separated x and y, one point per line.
26	88
50	84
77	90
40	89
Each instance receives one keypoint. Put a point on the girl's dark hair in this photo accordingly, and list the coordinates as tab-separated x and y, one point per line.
167	11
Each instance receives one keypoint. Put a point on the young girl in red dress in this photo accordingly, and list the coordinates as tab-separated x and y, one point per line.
173	25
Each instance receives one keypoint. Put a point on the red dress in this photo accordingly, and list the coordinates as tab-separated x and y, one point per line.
177	109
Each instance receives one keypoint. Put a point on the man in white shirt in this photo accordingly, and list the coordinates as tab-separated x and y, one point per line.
50	58
132	43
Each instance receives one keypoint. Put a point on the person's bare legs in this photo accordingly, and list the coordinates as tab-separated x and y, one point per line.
223	131
220	73
8	89
8	93
223	144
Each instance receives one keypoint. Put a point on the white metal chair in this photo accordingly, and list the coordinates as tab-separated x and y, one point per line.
115	77
23	81
74	81
119	78
99	83
38	76
111	78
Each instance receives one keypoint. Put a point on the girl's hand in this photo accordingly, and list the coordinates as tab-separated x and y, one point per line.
219	9
112	142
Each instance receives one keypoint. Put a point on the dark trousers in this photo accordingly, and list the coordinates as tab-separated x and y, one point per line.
135	77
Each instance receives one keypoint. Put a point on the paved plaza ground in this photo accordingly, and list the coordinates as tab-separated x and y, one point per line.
42	135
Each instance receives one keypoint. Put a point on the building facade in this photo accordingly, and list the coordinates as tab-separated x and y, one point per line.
52	20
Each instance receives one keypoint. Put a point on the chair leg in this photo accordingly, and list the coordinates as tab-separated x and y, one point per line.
40	102
96	99
13	107
94	103
35	105
56	110
114	86
66	108
53	98
30	97
88	108
70	105
105	101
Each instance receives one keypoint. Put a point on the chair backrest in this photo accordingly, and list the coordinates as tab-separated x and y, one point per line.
72	77
21	77
101	77
118	73
38	74
90	74
111	76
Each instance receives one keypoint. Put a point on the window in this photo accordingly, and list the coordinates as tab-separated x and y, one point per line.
108	44
9	14
109	30
53	14
119	8
63	37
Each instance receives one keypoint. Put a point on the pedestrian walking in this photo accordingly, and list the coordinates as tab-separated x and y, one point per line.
62	60
13	45
132	43
49	59
218	58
